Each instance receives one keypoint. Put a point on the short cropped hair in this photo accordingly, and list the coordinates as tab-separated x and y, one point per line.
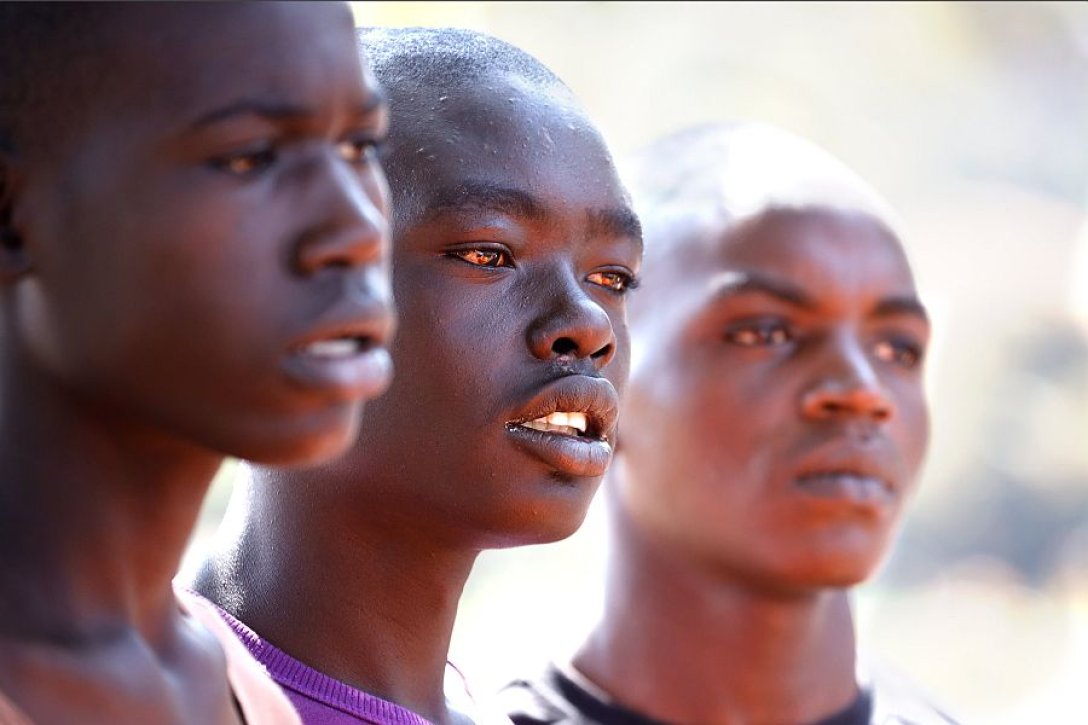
446	58
725	170
48	67
420	65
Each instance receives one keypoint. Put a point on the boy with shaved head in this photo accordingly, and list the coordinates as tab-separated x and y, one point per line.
773	431
192	266
514	248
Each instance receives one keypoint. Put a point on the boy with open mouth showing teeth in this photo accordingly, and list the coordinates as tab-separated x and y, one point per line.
514	249
773	429
193	264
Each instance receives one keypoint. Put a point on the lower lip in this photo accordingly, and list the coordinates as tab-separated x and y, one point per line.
575	457
863	492
354	377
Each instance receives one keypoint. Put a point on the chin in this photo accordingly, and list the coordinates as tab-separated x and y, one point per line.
543	519
311	441
834	571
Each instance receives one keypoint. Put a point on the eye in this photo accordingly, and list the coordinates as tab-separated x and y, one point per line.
614	280
248	162
482	257
359	150
906	353
762	333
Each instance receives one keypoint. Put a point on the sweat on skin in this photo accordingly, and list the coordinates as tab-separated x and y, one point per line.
514	248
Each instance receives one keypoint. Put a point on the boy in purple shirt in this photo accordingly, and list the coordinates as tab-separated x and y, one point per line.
514	249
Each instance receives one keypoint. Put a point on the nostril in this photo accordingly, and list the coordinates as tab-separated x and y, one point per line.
603	352
564	346
832	407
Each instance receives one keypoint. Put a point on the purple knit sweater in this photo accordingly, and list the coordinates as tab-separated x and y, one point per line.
319	699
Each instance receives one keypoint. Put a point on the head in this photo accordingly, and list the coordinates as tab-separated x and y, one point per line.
195	233
775	420
514	248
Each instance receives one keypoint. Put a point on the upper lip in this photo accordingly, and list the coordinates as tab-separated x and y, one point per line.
373	324
593	396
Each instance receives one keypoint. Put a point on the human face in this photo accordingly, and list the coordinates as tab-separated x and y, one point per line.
776	422
207	251
511	266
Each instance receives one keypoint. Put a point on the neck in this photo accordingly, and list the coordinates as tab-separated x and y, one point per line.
684	644
371	604
95	513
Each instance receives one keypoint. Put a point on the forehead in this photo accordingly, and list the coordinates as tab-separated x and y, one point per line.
502	131
798	242
186	57
824	251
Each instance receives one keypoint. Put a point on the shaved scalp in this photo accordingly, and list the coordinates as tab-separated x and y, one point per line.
720	173
419	67
50	66
446	58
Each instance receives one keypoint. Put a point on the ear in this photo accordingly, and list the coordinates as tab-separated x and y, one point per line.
14	261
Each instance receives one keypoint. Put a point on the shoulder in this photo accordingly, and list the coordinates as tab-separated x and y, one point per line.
258	695
897	699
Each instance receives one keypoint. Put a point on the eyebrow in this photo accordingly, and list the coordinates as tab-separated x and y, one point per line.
482	196
906	305
615	222
277	111
730	284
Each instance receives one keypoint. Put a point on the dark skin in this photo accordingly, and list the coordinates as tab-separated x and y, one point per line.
774	427
511	271
178	267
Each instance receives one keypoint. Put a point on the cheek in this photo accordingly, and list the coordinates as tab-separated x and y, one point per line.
912	427
618	370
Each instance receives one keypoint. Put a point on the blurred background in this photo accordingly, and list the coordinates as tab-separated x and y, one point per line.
972	118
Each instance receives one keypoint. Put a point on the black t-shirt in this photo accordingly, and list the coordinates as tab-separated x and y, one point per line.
555	698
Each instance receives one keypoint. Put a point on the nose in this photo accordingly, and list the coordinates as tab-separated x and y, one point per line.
847	386
572	326
350	211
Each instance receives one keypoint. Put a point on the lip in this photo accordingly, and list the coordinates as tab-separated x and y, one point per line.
360	375
849	478
578	457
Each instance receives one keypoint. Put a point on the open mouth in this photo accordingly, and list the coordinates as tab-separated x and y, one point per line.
337	348
567	425
574	424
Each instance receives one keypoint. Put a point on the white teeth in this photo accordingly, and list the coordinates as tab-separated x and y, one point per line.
570	420
340	347
558	422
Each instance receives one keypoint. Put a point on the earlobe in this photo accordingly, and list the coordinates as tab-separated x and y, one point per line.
14	261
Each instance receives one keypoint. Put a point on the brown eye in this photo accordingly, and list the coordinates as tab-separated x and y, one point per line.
484	257
898	352
246	163
615	281
361	150
760	334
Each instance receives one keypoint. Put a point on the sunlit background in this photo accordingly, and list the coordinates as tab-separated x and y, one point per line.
972	118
